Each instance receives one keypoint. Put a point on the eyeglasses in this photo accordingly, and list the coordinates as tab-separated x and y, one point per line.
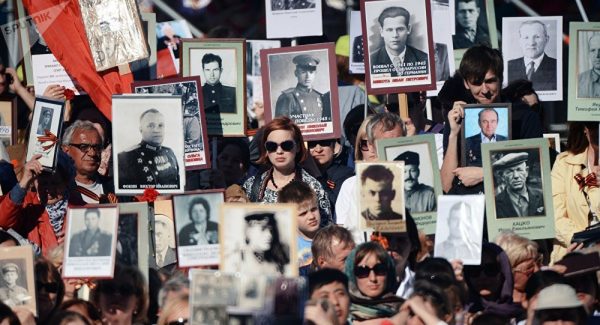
287	145
364	271
51	287
322	143
364	145
179	321
85	147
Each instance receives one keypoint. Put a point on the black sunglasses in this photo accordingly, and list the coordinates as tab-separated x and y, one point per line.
85	147
179	321
364	271
364	145
322	143
51	287
287	145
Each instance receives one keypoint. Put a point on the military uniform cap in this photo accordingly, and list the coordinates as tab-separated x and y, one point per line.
409	158
511	159
8	266
306	60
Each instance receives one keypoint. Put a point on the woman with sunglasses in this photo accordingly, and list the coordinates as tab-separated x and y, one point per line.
373	283
281	152
50	290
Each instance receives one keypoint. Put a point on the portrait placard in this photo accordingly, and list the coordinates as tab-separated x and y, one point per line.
459	230
260	239
8	121
154	159
443	26
145	69
472	26
584	68
482	124
220	65
163	235
422	183
132	235
519	188
553	141
197	227
90	241
532	50
17	286
213	288
301	83
398	39
169	35
357	48
381	196
254	91
46	127
195	138
293	18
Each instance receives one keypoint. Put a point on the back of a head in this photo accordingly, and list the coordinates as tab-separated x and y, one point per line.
296	192
477	61
324	277
490	319
7	316
540	280
436	270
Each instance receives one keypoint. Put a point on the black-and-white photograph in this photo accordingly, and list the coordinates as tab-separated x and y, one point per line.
459	231
588	63
219	79
90	241
211	287
46	127
443	27
197	226
45	122
194	121
483	124
381	196
254	90
419	194
471	24
537	56
260	239
357	47
17	284
253	48
518	183
300	84
209	315
400	45
292	4
165	253
154	158
132	235
293	18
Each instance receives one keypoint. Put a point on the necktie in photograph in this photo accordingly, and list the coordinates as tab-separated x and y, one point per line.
530	70
398	65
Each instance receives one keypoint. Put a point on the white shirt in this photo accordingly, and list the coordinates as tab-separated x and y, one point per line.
95	187
485	139
536	62
401	55
346	209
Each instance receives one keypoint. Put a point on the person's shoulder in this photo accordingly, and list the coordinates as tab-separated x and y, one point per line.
131	149
228	89
288	92
474	138
516	61
426	188
418	53
500	137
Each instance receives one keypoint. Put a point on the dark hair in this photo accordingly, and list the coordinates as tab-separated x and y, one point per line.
286	124
321	243
5	236
91	310
364	249
378	173
45	272
391	12
241	144
7	314
435	296
436	270
477	61
209	57
324	277
540	280
577	315
490	319
576	140
296	192
66	317
466	1
196	201
487	109
277	253
92	210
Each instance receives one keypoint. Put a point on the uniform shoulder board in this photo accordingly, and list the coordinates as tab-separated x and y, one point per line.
289	91
132	148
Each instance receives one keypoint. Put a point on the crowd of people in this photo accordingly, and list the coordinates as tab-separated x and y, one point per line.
354	276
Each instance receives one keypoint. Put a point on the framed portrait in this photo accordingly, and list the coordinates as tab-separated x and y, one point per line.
482	124
220	65
422	183
164	252
511	170
195	138
90	244
398	38
145	69
260	239
206	315
17	286
46	128
584	91
301	83
213	288
8	121
169	35
483	23
357	48
132	235
254	91
293	18
197	227
443	49
154	158
553	141
459	230
532	50
381	196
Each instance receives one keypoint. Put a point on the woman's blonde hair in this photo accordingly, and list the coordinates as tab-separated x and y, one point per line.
517	248
362	133
174	305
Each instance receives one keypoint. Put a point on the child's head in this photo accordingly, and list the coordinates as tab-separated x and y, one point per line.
305	199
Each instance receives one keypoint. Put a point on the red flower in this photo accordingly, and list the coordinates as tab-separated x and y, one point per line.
150	195
381	239
69	94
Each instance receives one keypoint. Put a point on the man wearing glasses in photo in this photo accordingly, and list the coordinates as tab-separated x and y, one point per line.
84	144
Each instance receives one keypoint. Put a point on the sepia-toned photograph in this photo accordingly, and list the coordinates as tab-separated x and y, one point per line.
301	83
90	242
163	239
584	68
532	50
197	227
46	127
8	121
483	124
197	154
259	239
17	283
381	196
517	181
132	235
399	42
154	157
422	183
459	233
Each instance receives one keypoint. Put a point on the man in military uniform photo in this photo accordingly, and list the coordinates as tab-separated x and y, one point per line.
217	97
91	241
418	197
292	4
11	294
302	103
377	193
149	163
